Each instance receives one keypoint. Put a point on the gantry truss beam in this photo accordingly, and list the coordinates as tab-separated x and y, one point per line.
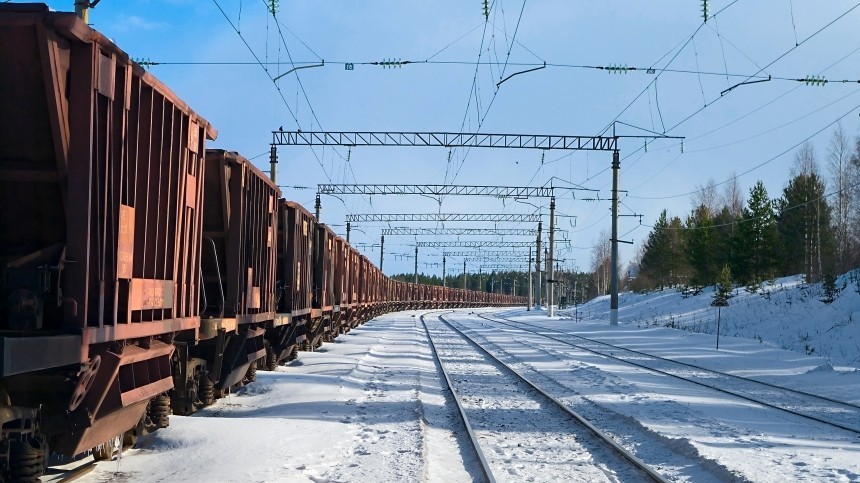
394	217
523	259
401	230
435	190
445	140
510	267
474	244
487	254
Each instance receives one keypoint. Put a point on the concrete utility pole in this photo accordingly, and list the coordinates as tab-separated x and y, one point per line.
443	271
347	231
464	273
537	269
531	295
317	206
381	251
613	277
82	9
550	279
546	275
273	162
416	263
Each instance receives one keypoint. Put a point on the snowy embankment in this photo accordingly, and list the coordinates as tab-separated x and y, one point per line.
785	314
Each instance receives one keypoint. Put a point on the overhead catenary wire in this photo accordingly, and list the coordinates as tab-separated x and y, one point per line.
763	163
269	75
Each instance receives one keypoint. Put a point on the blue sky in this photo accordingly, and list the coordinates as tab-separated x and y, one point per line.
751	130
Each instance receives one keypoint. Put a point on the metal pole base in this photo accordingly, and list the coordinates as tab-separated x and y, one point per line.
613	316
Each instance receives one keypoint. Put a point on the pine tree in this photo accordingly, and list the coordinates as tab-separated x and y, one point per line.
701	246
805	229
724	287
757	242
656	255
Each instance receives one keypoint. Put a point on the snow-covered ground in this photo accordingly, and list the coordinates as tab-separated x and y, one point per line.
785	314
371	406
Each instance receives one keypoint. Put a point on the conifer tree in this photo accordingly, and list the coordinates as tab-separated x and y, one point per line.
701	246
724	286
805	229
757	242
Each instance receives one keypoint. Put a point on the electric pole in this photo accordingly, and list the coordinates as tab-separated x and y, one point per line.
443	271
550	279
537	269
613	276
381	251
317	206
464	274
416	263
347	231
531	295
273	161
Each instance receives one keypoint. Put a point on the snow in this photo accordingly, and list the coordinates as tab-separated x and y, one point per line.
372	406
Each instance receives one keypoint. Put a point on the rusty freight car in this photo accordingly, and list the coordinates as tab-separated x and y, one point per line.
294	275
100	226
323	285
238	262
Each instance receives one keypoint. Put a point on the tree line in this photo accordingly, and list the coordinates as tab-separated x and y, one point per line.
812	228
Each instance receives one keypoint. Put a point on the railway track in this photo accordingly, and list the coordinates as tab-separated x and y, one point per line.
515	428
832	412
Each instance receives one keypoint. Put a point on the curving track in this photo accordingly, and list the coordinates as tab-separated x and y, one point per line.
838	414
516	428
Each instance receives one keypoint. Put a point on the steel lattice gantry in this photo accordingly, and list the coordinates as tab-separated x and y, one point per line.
484	140
416	217
435	190
502	266
490	253
444	139
473	244
458	231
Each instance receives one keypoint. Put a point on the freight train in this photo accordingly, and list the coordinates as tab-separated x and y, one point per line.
142	274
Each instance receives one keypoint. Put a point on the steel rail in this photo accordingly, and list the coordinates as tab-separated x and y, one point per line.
630	457
485	466
76	473
519	325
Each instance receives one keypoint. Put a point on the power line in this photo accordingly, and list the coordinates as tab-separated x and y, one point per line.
758	165
269	75
780	57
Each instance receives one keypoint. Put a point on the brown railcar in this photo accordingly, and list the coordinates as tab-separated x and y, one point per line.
323	284
238	261
294	274
340	311
100	222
